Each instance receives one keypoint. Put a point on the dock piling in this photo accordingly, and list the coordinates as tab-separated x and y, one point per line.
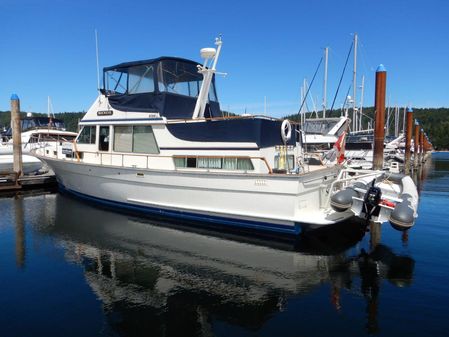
379	109
408	139
416	145
16	136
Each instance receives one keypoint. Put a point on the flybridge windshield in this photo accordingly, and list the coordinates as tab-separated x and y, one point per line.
321	127
132	80
170	76
30	123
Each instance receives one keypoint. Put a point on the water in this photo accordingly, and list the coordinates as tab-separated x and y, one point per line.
70	269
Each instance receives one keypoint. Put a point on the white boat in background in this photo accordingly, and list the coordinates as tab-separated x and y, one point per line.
155	141
320	134
37	132
359	149
30	164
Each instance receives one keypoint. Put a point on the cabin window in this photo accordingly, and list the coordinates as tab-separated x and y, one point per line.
180	161
240	164
87	135
225	163
123	138
137	139
190	162
140	79
214	163
144	140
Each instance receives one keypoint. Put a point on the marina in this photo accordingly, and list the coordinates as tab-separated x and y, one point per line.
224	169
124	275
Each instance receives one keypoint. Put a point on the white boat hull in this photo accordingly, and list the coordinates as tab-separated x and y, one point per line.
30	164
277	203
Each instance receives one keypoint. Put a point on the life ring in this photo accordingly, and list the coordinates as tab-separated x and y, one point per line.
286	130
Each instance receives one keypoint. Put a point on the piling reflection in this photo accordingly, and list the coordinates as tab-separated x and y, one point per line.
19	232
167	281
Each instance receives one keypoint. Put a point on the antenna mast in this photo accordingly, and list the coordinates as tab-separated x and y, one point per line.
210	56
98	64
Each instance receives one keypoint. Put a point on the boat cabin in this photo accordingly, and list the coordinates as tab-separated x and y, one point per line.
146	117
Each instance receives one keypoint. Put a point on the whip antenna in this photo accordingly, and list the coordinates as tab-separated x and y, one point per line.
98	65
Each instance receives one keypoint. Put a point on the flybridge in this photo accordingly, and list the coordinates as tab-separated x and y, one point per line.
169	86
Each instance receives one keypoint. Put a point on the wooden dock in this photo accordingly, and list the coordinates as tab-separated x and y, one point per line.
9	182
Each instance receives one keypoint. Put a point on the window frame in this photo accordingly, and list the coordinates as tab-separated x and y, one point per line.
186	159
94	127
114	133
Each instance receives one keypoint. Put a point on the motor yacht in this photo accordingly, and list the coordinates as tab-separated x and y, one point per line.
155	141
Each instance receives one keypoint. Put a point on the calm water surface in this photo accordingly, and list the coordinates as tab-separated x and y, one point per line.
70	269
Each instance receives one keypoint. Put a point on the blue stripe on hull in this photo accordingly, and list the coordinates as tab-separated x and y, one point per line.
180	215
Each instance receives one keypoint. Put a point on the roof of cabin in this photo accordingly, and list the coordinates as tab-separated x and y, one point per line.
125	65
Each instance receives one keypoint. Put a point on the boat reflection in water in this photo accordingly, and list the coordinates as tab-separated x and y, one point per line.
168	281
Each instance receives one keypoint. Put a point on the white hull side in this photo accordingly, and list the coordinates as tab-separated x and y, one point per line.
282	201
29	163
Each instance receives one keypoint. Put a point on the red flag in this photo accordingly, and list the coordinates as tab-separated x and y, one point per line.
339	146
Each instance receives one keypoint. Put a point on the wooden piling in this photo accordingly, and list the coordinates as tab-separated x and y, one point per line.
421	146
408	138
416	144
379	108
16	135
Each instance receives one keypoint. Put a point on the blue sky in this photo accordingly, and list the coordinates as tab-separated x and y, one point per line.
48	47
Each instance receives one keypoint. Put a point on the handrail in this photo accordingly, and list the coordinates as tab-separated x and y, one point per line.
177	120
76	151
342	180
123	154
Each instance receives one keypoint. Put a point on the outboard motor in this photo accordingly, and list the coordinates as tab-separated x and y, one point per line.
371	201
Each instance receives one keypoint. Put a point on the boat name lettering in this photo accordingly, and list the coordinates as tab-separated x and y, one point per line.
105	113
67	148
66	151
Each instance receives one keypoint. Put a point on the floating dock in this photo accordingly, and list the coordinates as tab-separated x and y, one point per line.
9	182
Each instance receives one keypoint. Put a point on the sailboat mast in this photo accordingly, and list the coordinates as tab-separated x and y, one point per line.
403	120
396	121
361	102
326	53
387	127
354	87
